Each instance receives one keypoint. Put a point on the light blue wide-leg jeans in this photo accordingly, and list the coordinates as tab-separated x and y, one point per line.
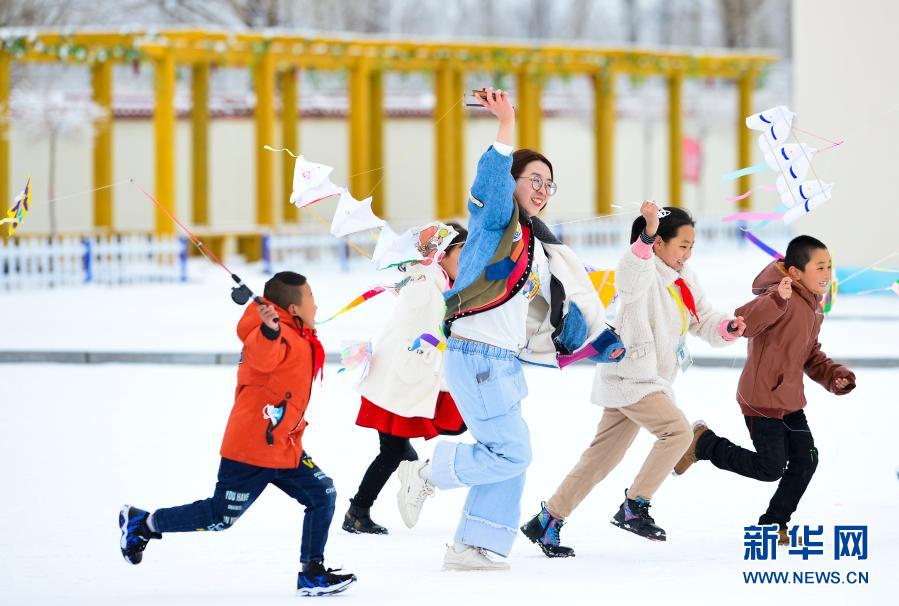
488	385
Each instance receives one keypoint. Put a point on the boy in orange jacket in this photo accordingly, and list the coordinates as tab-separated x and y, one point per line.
782	324
262	444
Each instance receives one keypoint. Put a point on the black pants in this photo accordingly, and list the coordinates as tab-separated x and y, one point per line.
394	450
238	487
785	451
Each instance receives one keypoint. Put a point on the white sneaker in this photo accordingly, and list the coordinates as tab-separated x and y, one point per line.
414	489
471	558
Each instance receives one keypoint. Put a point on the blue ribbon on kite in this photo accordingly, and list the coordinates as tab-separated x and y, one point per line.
762	245
744	171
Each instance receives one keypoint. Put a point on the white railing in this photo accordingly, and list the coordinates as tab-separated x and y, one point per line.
68	260
616	231
295	250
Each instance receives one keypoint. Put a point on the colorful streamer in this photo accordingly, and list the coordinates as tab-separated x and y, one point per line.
354	354
731	176
430	339
830	296
759	226
747	193
762	245
752	216
368	294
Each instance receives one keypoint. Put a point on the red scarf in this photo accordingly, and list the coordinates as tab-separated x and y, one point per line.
687	297
318	352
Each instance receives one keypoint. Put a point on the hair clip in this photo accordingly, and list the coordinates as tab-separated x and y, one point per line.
662	213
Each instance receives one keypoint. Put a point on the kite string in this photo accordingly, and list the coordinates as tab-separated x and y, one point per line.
321	220
89	191
832	143
810	165
895	253
200	246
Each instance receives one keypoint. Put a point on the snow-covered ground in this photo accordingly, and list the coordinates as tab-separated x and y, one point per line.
78	441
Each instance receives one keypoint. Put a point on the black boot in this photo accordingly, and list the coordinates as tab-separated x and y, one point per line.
358	521
543	529
633	516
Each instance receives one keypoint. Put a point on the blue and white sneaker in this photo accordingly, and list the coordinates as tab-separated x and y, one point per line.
315	580
135	533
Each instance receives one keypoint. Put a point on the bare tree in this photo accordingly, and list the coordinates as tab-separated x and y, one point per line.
632	20
579	18
34	13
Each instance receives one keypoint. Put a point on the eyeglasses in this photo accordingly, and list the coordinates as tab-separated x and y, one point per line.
538	183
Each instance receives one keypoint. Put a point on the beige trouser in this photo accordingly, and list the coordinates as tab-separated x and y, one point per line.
616	432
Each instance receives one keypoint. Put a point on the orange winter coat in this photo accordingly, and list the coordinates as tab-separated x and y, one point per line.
272	372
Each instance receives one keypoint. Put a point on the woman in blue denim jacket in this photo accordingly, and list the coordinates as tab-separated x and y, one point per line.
520	294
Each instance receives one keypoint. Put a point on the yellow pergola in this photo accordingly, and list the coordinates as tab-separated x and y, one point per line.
275	61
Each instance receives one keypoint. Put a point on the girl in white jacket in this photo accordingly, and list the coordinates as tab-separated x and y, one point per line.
403	396
660	301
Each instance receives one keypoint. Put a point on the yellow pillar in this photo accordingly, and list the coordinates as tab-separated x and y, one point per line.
744	135
101	83
675	138
164	135
529	113
289	139
376	145
449	149
200	143
264	81
360	129
604	138
457	115
4	128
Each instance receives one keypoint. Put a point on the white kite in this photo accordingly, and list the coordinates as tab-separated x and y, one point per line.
792	162
393	249
353	215
311	183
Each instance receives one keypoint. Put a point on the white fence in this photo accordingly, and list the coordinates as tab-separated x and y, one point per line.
615	232
296	250
69	260
129	259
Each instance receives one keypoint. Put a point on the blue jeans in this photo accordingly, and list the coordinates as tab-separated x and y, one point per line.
488	385
239	485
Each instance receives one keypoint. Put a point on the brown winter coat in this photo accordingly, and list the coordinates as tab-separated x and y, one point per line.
783	343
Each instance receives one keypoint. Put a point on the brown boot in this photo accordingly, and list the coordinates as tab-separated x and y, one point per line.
699	428
783	535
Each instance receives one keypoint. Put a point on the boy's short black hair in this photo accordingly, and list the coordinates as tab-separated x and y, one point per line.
459	239
799	251
283	289
668	226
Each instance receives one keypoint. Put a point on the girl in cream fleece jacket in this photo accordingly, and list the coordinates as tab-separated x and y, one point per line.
660	301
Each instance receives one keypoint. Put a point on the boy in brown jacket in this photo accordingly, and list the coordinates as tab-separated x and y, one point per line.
782	324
